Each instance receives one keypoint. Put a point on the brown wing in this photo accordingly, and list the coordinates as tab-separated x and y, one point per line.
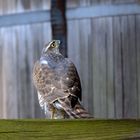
59	81
40	74
71	80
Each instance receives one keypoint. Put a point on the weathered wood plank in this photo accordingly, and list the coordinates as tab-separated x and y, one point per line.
95	53
35	5
24	18
30	48
133	101
18	65
70	129
125	67
1	77
8	6
84	31
110	68
23	108
138	59
90	71
118	89
9	75
76	13
102	11
124	1
84	3
46	4
12	97
129	67
78	3
99	68
4	76
101	31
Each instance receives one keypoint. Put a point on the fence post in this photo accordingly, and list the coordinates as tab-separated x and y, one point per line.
58	23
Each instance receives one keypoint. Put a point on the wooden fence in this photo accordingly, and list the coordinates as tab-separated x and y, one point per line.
107	56
103	42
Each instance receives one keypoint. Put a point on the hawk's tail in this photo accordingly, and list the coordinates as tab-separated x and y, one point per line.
77	112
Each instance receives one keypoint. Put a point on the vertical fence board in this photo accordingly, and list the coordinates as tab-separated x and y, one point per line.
110	68
96	70
90	71
9	75
12	98
23	109
3	75
125	61
129	66
1	80
138	59
99	67
117	67
18	66
102	66
133	67
96	93
29	65
84	31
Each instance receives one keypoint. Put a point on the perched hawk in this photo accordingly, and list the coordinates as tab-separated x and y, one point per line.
58	84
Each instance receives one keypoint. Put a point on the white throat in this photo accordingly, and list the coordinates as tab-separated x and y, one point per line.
43	62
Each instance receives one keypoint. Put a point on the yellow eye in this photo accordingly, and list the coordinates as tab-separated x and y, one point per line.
53	45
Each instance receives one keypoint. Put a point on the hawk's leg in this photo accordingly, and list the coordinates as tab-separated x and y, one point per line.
53	113
62	114
57	114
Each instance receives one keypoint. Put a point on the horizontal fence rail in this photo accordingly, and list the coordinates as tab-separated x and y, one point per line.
74	13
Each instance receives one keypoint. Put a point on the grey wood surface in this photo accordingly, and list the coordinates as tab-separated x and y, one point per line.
118	79
43	15
105	50
114	64
138	61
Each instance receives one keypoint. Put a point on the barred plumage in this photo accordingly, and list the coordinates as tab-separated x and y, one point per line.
58	84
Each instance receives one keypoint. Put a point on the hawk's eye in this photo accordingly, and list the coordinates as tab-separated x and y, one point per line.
53	45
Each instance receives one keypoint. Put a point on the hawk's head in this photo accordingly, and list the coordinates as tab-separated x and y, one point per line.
51	47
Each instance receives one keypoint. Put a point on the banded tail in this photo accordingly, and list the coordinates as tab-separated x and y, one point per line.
77	112
80	112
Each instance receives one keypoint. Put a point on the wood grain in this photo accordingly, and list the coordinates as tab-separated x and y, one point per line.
70	129
104	47
110	68
138	60
129	67
117	52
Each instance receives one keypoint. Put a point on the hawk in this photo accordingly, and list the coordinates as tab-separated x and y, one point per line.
58	84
